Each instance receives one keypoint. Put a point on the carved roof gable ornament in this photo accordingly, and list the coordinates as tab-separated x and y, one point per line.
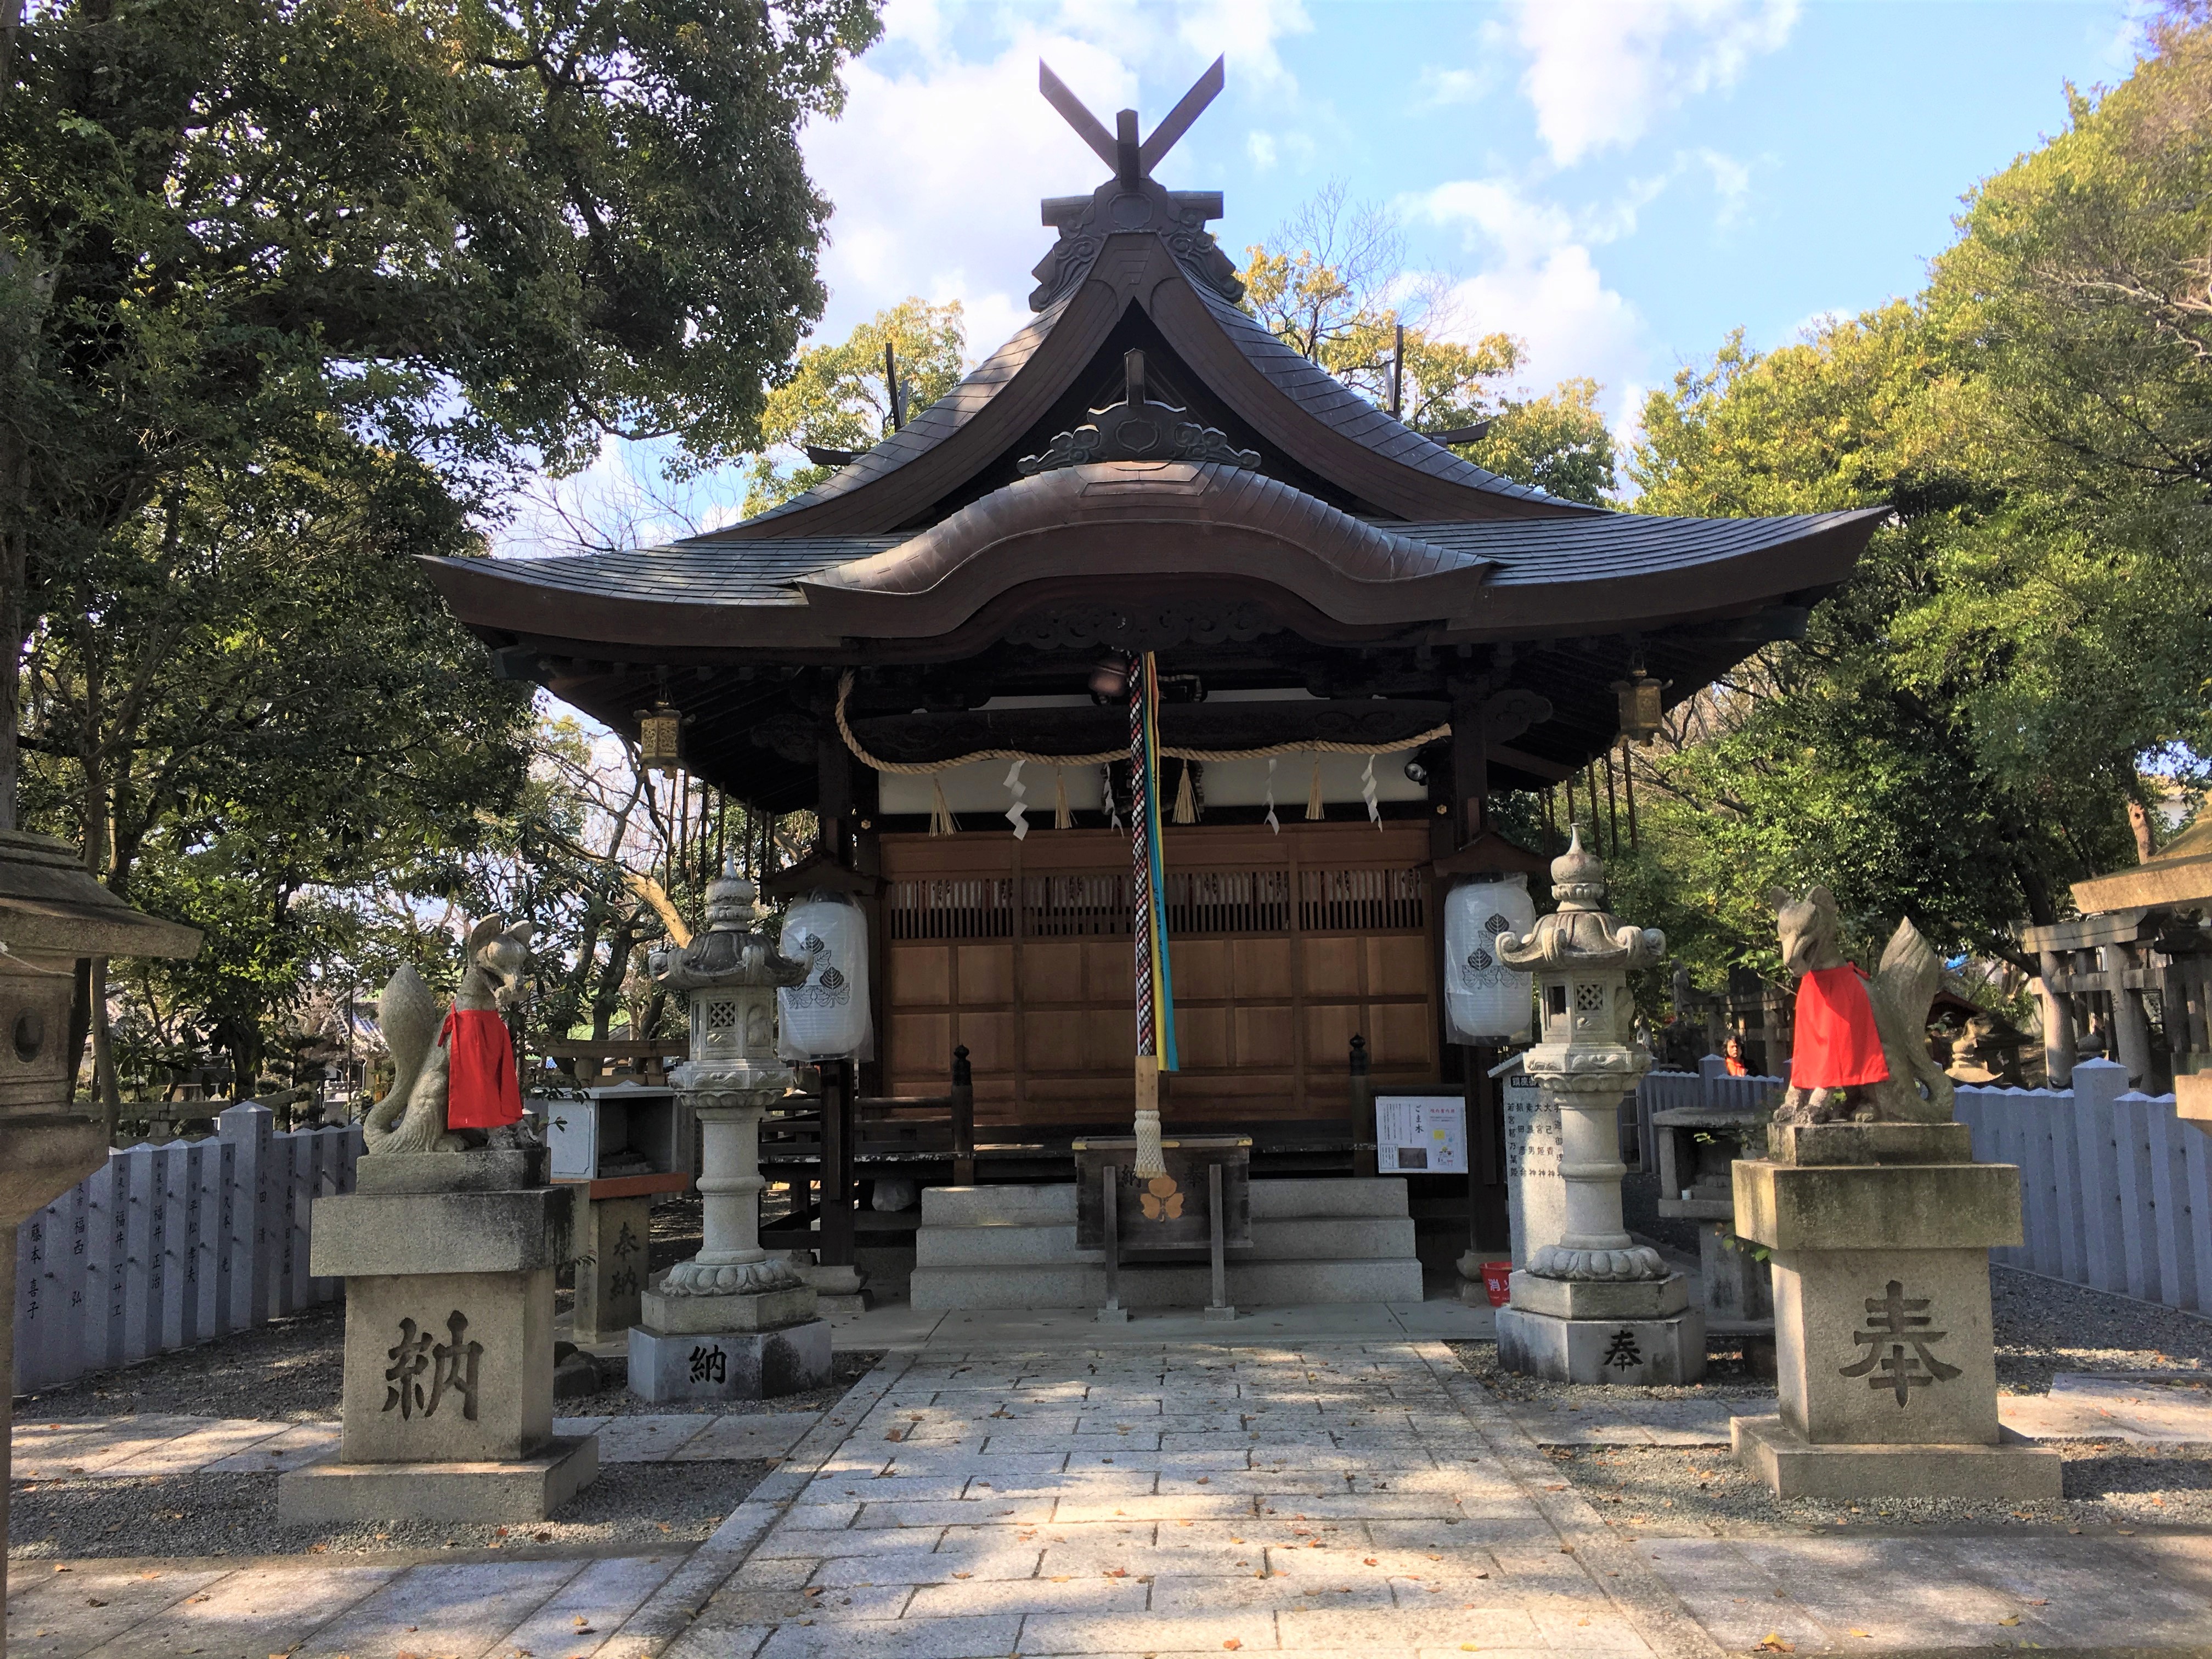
1130	200
1139	429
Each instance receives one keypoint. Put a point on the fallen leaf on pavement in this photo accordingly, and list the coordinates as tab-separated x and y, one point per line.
963	1575
1772	1643
1232	1644
1856	1630
2010	1618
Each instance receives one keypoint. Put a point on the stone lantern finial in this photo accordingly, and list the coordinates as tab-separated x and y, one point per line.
1578	876
732	903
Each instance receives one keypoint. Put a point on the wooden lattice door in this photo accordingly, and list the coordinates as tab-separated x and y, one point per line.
1283	947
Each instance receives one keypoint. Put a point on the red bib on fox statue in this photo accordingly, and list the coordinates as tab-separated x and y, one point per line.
484	1091
1837	1045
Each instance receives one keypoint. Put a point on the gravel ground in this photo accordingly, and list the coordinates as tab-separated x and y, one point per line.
2043	1327
631	1505
1664	1493
290	1370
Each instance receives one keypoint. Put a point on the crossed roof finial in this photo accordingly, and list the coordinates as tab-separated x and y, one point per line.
1119	149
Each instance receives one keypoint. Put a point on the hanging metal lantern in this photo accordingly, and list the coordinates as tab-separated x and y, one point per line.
1639	696
1486	1000
658	739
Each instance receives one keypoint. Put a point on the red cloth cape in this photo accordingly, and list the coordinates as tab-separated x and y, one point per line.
485	1092
1837	1043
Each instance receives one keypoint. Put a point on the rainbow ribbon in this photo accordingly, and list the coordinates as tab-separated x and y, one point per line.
1152	947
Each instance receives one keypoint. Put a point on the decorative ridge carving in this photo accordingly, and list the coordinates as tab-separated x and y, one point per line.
1131	199
1139	429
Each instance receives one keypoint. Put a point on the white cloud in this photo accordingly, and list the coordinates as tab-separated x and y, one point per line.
1601	71
946	147
1731	184
1540	281
1260	148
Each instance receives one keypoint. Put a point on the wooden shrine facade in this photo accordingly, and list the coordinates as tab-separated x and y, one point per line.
1285	947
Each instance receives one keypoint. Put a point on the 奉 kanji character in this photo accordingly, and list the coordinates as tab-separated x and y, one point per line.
1899	1323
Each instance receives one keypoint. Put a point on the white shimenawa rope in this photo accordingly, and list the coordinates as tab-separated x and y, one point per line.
1105	756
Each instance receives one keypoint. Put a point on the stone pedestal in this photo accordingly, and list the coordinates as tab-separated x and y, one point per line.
733	1298
610	1266
1880	1236
447	1407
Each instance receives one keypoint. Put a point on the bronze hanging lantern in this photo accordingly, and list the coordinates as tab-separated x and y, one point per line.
1639	696
658	738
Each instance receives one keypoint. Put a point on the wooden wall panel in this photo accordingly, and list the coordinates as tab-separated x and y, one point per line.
1021	950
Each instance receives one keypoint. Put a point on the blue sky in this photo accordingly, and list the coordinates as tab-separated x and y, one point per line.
1618	182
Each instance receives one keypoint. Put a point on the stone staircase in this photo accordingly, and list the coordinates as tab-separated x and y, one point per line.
1312	1242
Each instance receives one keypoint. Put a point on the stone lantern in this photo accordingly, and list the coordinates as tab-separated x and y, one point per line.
1592	1306
53	915
733	1321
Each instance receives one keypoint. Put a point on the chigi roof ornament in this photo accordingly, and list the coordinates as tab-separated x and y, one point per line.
1130	200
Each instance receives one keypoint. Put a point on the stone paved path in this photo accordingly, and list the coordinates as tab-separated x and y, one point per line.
1351	1497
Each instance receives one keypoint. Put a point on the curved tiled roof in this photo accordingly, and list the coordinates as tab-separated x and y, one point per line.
1589	572
1308	414
1328	399
923	432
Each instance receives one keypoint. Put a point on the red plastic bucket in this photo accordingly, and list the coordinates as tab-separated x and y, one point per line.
1498	1281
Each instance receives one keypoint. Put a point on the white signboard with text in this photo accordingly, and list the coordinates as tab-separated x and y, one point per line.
1535	1192
1419	1134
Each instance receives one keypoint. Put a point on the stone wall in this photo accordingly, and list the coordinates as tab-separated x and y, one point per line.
2114	1185
173	1245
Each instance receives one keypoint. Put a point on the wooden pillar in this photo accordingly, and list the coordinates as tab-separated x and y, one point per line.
2059	1053
1470	759
2131	1030
963	1119
1363	1109
838	1122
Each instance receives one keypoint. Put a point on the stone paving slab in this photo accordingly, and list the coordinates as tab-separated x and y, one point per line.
131	1447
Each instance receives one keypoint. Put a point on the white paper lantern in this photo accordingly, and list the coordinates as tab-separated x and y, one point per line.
827	1017
1484	1000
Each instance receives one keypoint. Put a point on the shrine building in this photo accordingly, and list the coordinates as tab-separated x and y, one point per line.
1145	468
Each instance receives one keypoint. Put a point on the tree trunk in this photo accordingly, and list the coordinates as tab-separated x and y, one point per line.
105	1088
2146	840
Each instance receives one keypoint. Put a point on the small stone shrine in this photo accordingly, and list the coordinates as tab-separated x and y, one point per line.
448	1246
1592	1306
1880	1224
733	1323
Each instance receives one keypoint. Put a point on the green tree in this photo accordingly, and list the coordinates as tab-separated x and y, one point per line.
1956	735
1331	285
839	398
1558	443
476	233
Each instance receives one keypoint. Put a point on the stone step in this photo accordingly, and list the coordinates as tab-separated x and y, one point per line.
1383	1196
1380	1197
1251	1283
1322	1238
998	1206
